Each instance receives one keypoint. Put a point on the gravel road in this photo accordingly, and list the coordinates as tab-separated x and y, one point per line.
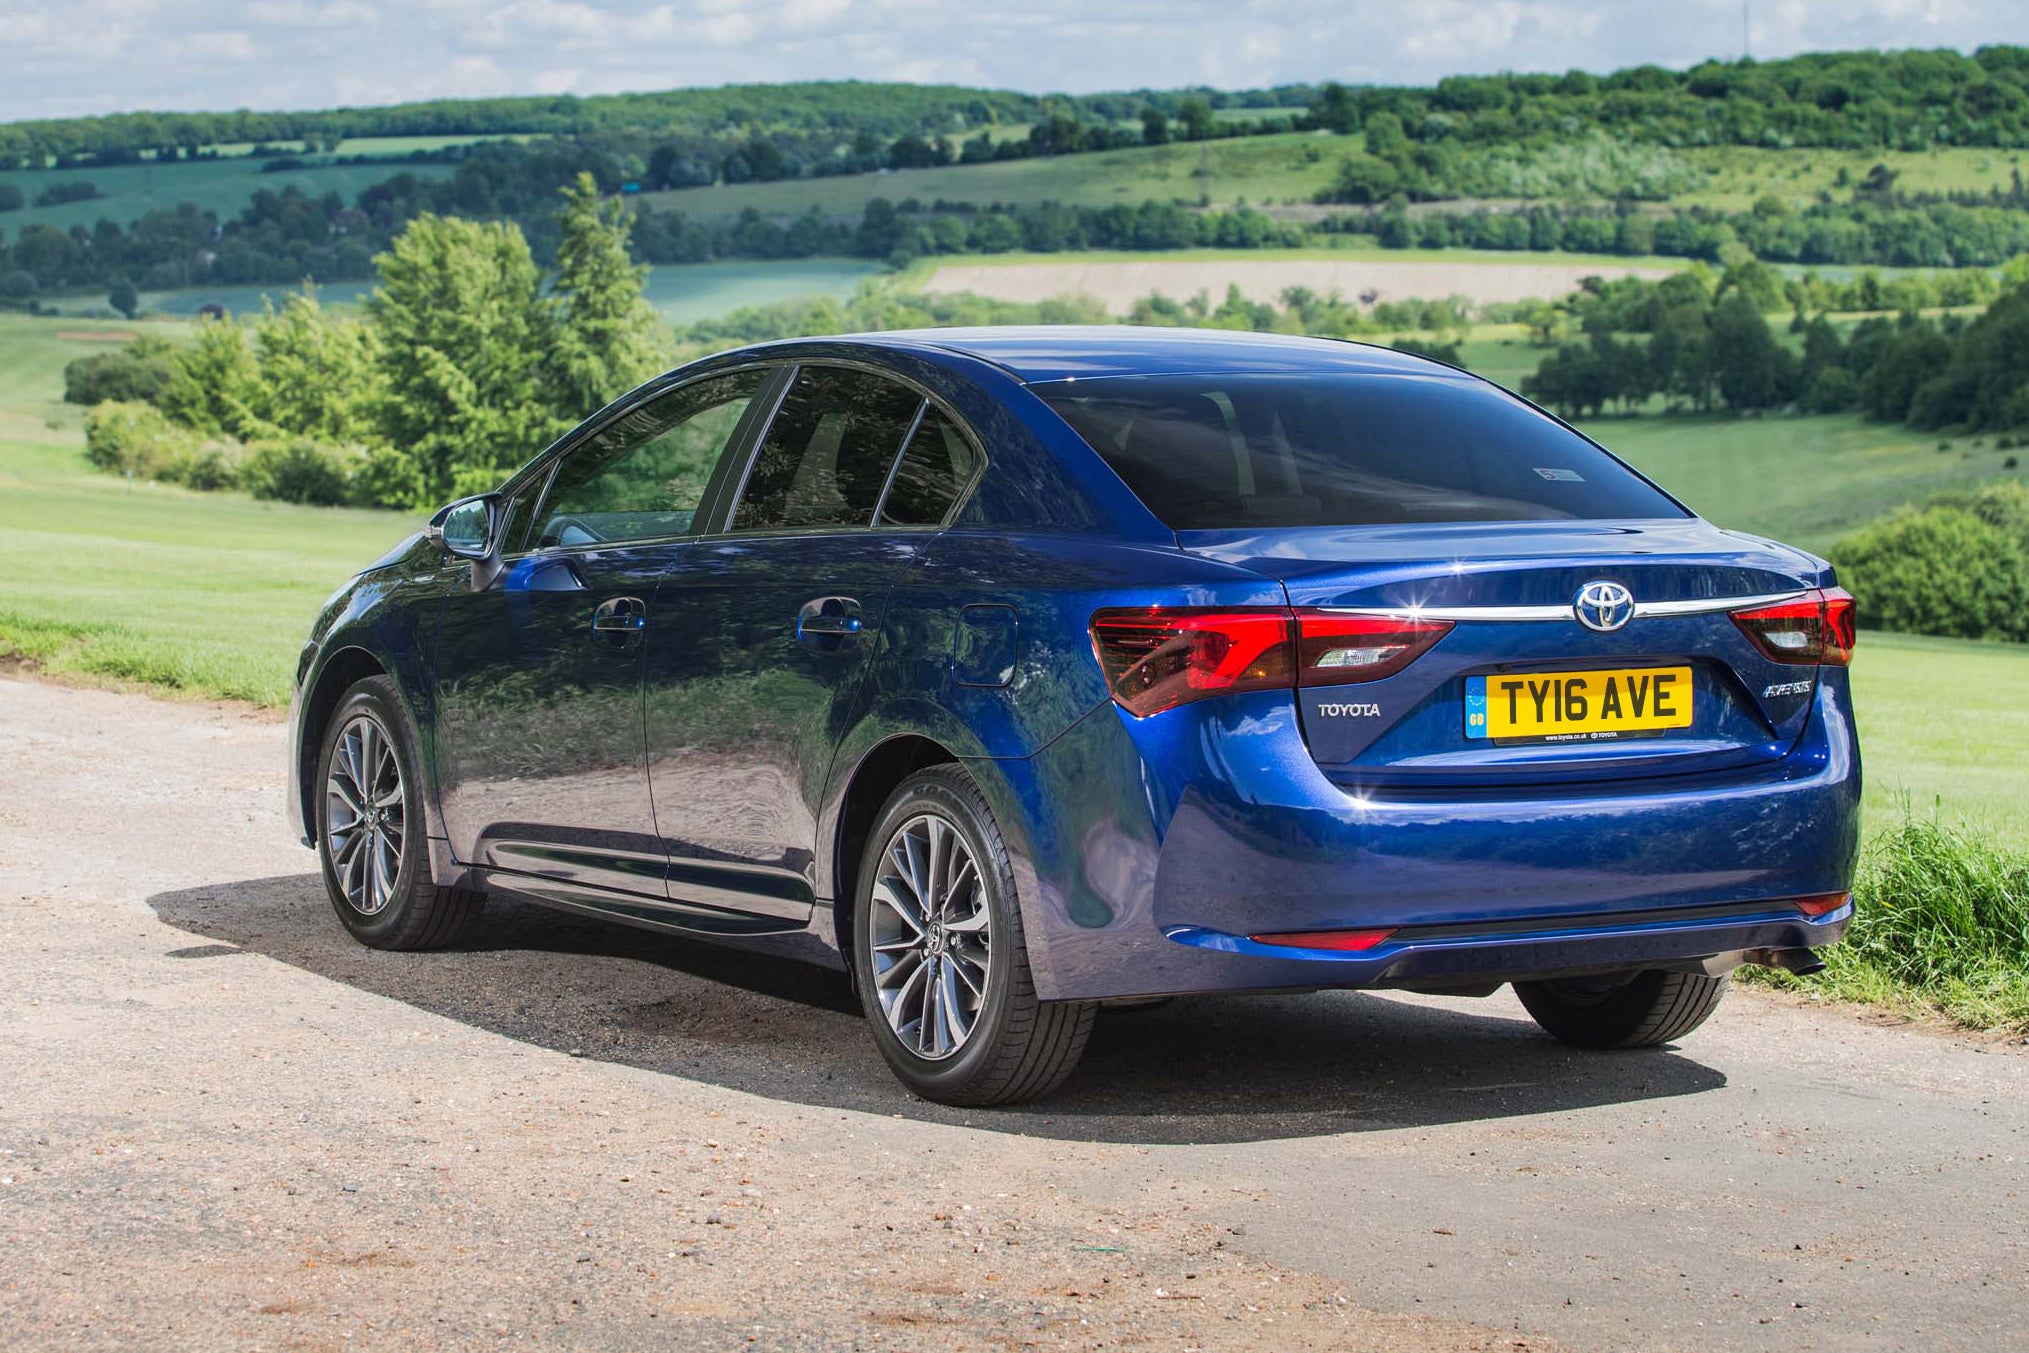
223	1125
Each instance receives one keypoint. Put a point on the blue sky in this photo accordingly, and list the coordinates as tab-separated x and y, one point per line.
66	57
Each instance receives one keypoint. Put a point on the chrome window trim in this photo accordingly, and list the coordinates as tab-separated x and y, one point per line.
1643	610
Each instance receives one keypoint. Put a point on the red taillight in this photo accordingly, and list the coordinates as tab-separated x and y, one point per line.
1335	649
1156	658
1824	904
1816	627
1342	941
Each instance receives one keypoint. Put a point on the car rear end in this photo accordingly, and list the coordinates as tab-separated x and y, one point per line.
1519	716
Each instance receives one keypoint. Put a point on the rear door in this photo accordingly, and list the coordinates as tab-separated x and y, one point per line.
539	728
769	624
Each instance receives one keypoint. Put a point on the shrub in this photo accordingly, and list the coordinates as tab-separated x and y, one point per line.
133	438
300	470
1833	390
138	372
1949	569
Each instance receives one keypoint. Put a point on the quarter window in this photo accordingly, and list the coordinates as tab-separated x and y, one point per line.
643	476
828	451
934	471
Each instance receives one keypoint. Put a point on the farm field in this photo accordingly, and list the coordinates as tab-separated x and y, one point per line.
224	186
1119	280
683	293
1257	168
1734	177
212	592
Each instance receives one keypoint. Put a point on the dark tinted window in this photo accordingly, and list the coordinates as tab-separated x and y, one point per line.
934	471
827	452
643	476
1207	452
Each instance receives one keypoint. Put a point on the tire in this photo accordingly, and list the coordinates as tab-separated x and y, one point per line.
377	871
1621	1010
1014	1047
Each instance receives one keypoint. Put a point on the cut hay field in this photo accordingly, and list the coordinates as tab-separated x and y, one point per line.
1119	280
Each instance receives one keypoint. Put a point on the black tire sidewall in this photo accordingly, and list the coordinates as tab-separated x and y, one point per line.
933	792
374	696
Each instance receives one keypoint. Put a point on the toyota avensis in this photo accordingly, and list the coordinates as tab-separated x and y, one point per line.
1022	671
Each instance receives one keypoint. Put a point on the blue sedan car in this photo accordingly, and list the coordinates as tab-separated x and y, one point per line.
1018	672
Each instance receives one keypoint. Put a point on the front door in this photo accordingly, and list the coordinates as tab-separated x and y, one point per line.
539	725
771	622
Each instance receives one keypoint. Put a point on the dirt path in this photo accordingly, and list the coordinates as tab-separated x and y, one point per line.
223	1125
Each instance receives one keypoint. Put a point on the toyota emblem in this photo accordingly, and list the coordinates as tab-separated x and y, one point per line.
1603	606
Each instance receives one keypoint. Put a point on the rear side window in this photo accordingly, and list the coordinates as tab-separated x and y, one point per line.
934	471
1344	449
828	451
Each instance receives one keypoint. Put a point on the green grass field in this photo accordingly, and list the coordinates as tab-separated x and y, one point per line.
207	593
128	192
1257	168
212	593
1733	177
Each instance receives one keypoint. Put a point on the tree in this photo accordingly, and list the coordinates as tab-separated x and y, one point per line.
1336	111
217	385
462	324
1752	370
605	338
124	298
321	373
1196	115
1154	126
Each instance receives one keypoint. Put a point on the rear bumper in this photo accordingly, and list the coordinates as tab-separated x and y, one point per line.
1165	843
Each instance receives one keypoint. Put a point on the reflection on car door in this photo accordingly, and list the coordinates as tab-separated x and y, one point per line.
779	614
539	730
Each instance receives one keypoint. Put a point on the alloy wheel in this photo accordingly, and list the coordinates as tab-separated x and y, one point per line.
932	932
364	815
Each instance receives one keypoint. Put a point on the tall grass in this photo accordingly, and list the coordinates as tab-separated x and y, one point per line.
1941	920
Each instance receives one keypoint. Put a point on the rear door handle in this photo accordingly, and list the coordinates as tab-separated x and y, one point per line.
619	619
827	622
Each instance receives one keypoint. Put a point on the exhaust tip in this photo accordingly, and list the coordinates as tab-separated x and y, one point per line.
1796	962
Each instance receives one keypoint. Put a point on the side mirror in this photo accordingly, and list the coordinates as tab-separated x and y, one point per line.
470	529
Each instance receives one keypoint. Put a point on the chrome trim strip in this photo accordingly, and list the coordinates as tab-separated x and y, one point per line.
1643	609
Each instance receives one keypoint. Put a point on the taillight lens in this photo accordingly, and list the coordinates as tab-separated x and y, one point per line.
1335	649
1159	657
1816	627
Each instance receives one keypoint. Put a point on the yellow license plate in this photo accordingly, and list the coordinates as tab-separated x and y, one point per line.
1578	706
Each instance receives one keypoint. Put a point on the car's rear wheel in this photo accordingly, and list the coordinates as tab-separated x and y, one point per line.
939	955
1622	1010
370	837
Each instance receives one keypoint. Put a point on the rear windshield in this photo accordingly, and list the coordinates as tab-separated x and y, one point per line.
1344	449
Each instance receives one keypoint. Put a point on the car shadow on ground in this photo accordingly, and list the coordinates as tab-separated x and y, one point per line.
1208	1069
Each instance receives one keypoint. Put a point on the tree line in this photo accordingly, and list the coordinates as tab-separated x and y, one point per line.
1703	341
1907	99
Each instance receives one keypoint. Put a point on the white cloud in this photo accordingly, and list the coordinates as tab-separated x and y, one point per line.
62	57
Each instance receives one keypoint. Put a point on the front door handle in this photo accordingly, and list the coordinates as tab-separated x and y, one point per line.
828	622
619	619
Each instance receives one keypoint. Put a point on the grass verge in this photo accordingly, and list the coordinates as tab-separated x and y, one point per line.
1941	923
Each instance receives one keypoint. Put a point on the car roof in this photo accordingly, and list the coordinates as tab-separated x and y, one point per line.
1053	352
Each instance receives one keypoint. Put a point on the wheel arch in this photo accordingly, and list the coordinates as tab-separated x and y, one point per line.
342	668
873	781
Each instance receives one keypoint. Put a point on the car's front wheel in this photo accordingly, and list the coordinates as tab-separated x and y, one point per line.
939	955
370	832
1622	1010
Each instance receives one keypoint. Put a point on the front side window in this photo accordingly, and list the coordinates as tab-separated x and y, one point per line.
826	455
643	476
1344	449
